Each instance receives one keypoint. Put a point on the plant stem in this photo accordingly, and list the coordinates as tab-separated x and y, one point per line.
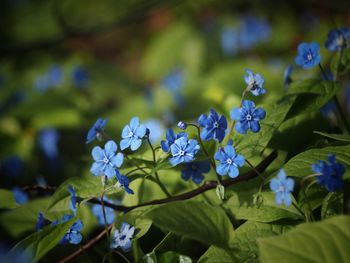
161	185
337	102
104	214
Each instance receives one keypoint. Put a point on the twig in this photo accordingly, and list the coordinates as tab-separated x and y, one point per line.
86	246
207	186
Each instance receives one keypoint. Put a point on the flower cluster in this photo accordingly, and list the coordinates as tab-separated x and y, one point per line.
329	174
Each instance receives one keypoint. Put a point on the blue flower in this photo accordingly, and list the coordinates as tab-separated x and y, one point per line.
80	77
98	212
229	40
73	199
12	166
282	186
132	135
96	130
287	80
170	139
331	173
55	75
229	161
308	55
40	223
253	30
247	117
174	80
156	130
73	235
255	83
338	39
214	127
122	238
124	182
20	196
48	142
329	110
183	150
195	171
106	160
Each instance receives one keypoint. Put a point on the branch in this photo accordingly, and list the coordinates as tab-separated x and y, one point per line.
207	186
86	246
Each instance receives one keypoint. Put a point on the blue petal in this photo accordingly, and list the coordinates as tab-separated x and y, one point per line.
110	148
239	160
236	114
75	238
97	153
202	120
126	131
222	169
242	127
274	184
135	144
248	105
134	123
259	113
254	126
96	168
287	199
303	48
140	131
230	151
109	171
117	160
233	171
165	146
281	175
125	143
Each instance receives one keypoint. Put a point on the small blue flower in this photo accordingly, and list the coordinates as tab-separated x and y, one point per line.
73	235
214	127
156	129
252	31
247	117
55	75
12	166
338	39
124	182
329	110
170	139
122	238
80	77
48	142
195	170
40	223
98	212
96	130
282	186
106	160
183	150
331	173
287	79
308	55
229	161
229	40
20	196
73	199
132	135
174	80
255	83
182	125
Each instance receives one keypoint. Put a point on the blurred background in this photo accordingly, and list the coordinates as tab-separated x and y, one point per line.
63	64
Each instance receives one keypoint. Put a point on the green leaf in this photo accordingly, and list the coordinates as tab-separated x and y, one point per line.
23	218
337	137
173	257
195	220
241	205
217	255
246	238
325	241
300	165
254	143
39	243
7	196
85	187
332	205
136	219
312	95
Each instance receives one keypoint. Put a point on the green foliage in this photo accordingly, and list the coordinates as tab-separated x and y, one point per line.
326	241
189	218
39	243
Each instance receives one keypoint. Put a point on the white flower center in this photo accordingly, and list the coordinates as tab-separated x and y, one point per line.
130	134
105	160
216	124
181	152
309	57
281	188
248	117
229	161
